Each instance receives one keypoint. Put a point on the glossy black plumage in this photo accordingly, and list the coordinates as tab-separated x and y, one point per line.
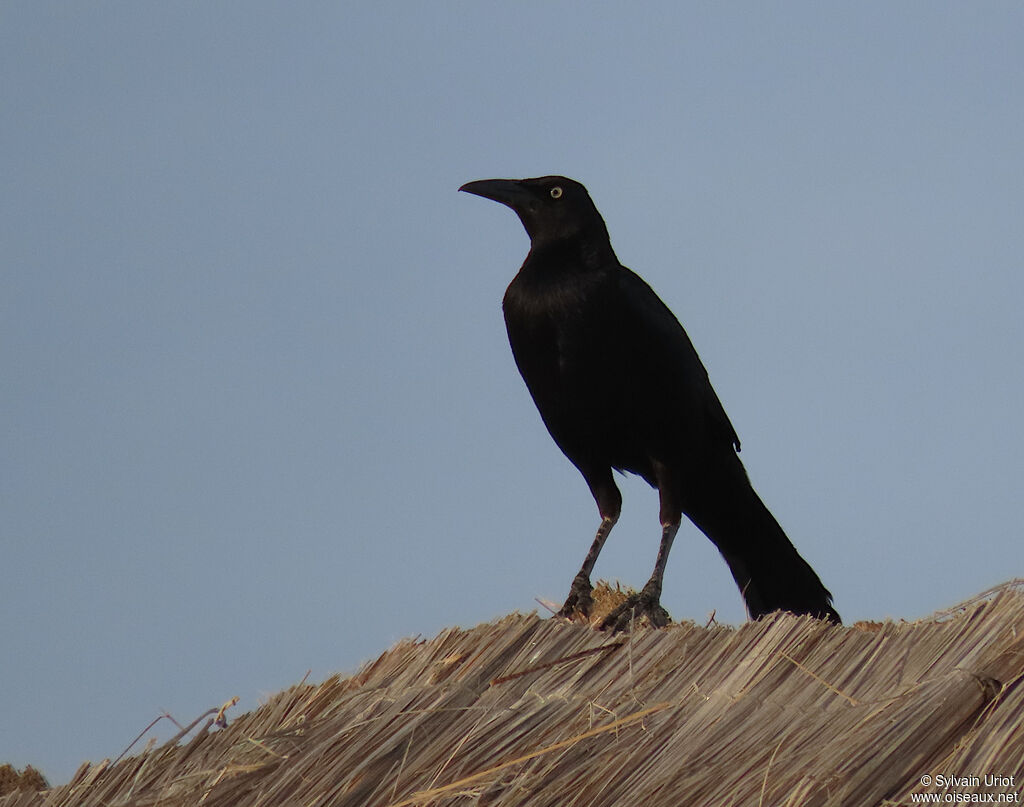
619	386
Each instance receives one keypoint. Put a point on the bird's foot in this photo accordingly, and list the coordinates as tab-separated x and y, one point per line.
579	600
645	605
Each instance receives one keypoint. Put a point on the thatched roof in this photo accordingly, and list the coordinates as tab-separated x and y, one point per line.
784	711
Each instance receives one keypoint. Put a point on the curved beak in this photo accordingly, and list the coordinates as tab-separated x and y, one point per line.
506	191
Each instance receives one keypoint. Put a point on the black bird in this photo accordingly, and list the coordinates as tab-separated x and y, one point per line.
620	386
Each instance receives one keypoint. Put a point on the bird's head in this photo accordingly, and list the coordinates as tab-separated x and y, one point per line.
550	208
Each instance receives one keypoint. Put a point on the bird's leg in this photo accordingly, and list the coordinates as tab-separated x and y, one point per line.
648	601
579	593
609	505
652	589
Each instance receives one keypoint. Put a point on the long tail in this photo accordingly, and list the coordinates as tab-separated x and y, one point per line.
767	568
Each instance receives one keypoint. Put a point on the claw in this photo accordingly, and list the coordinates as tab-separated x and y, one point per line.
635	608
579	600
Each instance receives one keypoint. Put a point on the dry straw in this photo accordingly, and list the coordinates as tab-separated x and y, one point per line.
524	711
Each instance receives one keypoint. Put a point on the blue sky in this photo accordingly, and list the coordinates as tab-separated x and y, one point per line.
259	414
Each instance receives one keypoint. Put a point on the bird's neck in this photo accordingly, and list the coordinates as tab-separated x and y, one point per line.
572	255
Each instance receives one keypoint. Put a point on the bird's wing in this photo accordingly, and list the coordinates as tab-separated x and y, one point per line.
681	373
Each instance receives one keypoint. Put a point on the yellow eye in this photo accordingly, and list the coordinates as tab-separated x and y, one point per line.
556	193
